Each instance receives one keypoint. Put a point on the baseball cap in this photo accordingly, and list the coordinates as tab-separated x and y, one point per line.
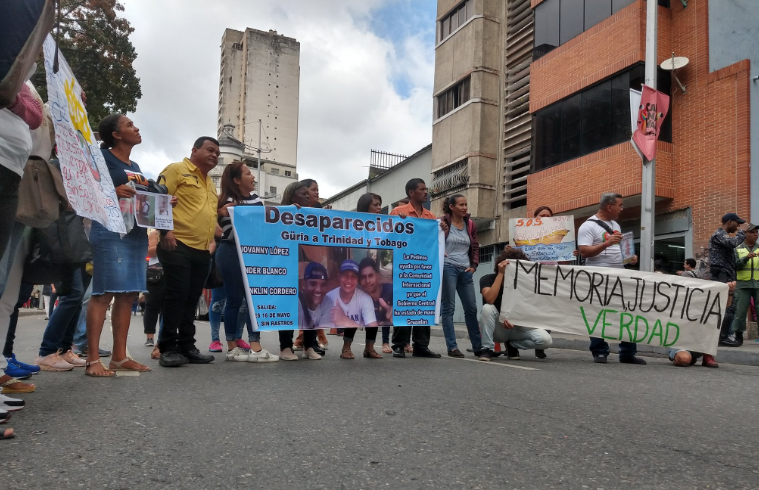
752	227
732	217
349	265
314	270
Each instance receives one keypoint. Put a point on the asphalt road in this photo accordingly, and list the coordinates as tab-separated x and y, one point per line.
412	423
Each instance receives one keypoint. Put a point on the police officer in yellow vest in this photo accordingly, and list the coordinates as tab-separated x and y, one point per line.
747	274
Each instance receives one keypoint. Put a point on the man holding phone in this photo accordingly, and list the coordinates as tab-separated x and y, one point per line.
598	240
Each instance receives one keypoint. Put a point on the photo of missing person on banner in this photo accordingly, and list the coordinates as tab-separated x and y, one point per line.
344	287
145	210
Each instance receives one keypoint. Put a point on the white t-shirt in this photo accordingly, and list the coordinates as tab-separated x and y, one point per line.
15	142
360	309
590	234
318	316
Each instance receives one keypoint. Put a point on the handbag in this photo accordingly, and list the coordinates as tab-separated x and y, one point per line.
154	274
41	195
214	279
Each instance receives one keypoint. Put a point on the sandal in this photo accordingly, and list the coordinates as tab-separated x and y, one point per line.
347	354
7	434
119	366
107	373
408	349
372	354
15	386
387	349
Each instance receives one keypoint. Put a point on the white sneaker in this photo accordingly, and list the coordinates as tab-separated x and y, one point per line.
310	353
11	404
262	356
237	354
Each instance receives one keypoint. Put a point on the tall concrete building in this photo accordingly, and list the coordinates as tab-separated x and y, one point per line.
260	81
531	108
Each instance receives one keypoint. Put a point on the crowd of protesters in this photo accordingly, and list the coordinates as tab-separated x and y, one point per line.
110	272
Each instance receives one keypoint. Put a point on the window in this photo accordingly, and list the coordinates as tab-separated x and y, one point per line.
588	121
272	191
275	171
453	97
558	21
456	18
287	172
486	253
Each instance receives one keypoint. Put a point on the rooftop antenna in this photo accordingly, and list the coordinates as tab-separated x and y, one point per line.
672	64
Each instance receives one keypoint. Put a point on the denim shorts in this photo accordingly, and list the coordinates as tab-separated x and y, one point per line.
119	264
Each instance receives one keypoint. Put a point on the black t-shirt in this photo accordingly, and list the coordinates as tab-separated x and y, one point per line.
122	173
487	282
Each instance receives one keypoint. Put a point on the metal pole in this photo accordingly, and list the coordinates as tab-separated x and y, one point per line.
258	180
648	197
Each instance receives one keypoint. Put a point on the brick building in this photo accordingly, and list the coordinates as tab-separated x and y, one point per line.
532	108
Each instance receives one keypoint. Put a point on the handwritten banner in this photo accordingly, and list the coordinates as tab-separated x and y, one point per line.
544	239
616	304
85	175
314	268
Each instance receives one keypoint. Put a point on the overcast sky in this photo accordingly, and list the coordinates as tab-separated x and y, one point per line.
366	77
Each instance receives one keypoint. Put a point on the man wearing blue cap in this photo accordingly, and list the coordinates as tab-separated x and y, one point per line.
351	307
722	266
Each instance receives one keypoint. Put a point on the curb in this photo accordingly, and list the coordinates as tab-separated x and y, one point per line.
747	356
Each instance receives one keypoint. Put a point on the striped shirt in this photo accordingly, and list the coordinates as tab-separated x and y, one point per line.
226	222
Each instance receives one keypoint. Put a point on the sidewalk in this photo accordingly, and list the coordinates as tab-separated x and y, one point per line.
747	354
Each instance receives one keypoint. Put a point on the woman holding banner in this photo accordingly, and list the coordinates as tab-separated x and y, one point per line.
237	189
297	194
462	255
372	203
119	271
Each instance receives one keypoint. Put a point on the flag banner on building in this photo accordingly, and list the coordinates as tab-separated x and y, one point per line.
314	268
616	304
651	111
85	175
544	239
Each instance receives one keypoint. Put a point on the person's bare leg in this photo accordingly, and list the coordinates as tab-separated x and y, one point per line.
96	311
120	320
255	346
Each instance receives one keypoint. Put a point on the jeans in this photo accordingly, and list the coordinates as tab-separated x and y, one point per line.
385	335
25	291
153	305
185	270
599	347
80	335
458	279
724	276
519	337
9	182
229	267
403	335
51	305
59	334
744	302
215	309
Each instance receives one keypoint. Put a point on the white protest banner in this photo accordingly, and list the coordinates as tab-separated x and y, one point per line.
544	239
616	304
153	210
85	175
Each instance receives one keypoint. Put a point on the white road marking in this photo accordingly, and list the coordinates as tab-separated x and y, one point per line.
492	363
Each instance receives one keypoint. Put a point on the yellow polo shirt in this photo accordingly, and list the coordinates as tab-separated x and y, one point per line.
195	212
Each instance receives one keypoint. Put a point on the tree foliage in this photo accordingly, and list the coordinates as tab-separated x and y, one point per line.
95	42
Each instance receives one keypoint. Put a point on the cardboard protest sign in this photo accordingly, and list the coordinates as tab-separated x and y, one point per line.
153	211
616	304
314	268
544	239
88	184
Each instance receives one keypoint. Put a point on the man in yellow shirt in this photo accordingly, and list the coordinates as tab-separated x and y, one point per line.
185	253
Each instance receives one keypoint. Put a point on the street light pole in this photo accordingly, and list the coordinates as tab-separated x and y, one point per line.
648	187
260	189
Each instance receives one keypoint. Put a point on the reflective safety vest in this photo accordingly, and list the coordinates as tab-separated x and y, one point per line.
750	271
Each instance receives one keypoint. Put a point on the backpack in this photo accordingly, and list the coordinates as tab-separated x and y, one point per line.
41	195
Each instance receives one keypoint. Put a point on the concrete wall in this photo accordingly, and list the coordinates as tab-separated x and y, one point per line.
733	37
348	201
230	81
